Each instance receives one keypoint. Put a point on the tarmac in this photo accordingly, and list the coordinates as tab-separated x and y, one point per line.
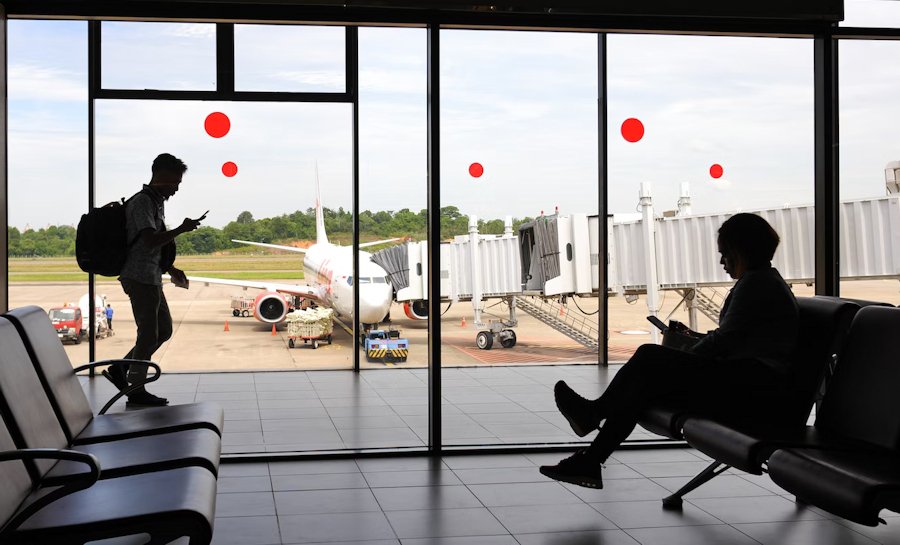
200	341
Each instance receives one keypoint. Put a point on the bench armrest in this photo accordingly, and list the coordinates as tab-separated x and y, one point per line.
131	388
72	483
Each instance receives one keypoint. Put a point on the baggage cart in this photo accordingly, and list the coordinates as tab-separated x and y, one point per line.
312	326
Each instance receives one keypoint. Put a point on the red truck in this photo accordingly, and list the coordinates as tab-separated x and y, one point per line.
68	323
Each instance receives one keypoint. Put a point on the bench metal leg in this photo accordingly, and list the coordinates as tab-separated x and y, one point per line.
712	470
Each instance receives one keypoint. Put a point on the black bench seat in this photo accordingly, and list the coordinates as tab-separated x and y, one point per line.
856	473
166	505
33	423
855	485
824	323
71	405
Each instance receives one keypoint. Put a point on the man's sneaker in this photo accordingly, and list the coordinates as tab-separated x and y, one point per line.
580	412
145	399
116	375
576	469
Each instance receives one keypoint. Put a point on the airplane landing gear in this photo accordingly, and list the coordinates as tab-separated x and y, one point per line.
507	338
485	339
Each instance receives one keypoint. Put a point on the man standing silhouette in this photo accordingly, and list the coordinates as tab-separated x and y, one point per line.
150	254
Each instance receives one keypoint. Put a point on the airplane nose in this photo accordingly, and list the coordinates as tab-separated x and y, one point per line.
374	303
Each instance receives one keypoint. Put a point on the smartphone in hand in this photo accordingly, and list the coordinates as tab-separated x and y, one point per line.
658	323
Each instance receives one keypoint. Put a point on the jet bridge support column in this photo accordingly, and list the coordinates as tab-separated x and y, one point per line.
475	261
690	302
649	228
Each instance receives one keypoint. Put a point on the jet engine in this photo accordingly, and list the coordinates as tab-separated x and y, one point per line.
270	307
416	310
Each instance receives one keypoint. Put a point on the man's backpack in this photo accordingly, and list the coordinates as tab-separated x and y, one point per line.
101	244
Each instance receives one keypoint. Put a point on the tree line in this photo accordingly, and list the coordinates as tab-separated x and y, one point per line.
59	240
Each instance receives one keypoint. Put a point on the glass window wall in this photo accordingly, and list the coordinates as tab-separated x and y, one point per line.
518	165
869	171
697	135
701	128
289	58
162	56
261	183
871	13
48	173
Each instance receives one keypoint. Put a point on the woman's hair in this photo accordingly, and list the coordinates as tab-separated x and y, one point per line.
749	236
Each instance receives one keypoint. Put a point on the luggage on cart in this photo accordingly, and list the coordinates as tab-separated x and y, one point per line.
311	325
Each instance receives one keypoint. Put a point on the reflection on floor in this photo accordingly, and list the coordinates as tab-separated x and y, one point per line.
329	410
503	500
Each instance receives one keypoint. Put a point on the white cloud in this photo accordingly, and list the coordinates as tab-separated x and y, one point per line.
312	79
33	82
188	30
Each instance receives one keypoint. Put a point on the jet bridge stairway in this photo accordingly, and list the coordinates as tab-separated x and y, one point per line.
707	300
572	324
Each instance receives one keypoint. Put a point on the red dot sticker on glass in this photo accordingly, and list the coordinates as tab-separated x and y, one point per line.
217	124
229	169
632	129
476	170
716	171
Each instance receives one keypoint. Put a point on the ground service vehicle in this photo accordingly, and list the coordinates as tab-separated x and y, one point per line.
101	328
242	306
385	346
68	323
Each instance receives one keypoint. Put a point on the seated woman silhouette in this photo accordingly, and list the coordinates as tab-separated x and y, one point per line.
733	373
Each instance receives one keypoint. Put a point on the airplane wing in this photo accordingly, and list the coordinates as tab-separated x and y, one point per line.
291	289
377	242
303	250
272	246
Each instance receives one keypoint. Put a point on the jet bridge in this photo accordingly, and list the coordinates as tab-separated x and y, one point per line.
551	257
680	253
561	255
556	257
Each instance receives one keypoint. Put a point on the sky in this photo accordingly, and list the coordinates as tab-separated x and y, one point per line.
521	104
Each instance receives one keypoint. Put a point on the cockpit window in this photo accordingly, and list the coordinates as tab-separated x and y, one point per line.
365	280
349	280
380	279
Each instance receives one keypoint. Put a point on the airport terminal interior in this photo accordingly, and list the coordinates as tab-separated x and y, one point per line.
416	218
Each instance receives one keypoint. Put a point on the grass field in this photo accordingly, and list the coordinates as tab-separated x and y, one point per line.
240	267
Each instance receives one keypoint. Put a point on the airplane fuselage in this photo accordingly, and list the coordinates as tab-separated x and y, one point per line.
329	270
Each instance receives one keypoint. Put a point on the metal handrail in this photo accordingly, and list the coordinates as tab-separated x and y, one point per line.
576	321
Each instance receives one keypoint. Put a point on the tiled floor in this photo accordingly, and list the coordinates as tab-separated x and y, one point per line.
502	499
463	500
333	410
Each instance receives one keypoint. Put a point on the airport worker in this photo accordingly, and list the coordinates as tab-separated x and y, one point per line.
737	372
149	257
109	315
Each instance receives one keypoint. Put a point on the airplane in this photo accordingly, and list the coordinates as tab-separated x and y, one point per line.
328	270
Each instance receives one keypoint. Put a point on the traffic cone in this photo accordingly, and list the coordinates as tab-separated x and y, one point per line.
273	330
226	326
463	322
